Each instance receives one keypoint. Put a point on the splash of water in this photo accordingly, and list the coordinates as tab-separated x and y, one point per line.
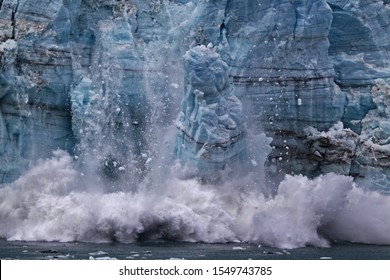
52	203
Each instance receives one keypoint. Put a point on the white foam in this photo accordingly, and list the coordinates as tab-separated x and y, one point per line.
51	203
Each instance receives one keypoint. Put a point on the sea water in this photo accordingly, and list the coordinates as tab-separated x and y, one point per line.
168	250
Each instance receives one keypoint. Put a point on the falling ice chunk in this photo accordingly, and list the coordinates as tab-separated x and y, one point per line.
238	248
254	163
299	102
174	85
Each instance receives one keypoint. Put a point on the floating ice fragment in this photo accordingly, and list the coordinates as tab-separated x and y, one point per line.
98	253
268	253
62	256
102	258
238	248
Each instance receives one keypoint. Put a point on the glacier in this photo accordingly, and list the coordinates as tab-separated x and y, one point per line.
136	97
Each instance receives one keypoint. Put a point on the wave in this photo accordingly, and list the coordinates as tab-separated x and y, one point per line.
53	202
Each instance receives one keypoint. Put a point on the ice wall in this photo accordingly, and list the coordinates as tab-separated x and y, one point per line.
358	51
281	70
104	79
36	74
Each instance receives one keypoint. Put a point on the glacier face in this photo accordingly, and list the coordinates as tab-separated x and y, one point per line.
104	80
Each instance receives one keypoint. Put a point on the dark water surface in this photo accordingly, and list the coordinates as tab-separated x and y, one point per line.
173	250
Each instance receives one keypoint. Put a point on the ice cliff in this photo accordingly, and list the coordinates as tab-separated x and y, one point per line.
104	80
